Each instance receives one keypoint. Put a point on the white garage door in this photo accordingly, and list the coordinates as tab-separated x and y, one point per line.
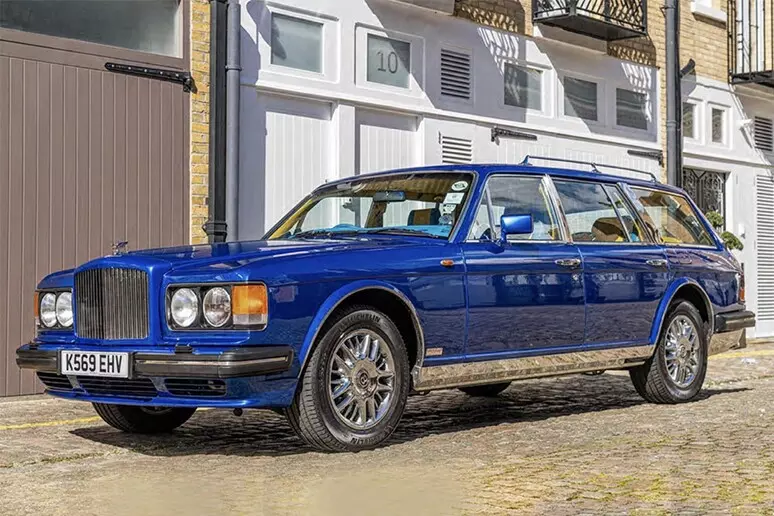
385	141
765	251
285	155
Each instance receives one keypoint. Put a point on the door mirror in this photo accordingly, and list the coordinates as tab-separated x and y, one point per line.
515	225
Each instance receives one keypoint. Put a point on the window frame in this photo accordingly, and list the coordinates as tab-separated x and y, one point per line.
725	133
647	240
650	115
697	121
553	206
697	213
416	78
304	20
601	120
328	51
546	82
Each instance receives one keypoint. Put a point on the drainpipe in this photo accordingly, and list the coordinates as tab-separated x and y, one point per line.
215	227
674	130
233	69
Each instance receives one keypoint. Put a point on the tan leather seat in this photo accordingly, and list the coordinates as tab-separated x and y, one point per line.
608	229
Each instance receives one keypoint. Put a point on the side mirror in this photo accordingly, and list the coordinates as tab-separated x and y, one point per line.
515	225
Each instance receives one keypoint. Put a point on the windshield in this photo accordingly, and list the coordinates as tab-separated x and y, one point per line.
420	203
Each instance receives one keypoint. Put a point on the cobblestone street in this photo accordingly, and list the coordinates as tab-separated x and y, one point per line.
584	444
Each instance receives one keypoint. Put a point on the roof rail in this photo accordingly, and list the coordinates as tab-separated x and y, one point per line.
592	165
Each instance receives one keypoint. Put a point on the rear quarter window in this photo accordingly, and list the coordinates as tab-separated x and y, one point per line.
670	217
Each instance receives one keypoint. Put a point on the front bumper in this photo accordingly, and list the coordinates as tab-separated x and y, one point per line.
234	363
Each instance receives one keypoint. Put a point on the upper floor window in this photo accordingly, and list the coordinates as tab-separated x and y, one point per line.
590	213
631	109
515	195
388	61
671	218
580	98
718	125
689	120
523	87
296	43
153	27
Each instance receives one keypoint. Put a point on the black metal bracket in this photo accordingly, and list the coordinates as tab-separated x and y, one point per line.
688	69
183	78
658	155
497	132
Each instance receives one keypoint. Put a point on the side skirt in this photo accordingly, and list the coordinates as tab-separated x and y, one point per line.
495	371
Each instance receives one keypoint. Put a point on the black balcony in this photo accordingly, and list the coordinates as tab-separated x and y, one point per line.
602	19
751	42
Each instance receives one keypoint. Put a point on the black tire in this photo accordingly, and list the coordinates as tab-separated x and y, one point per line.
143	420
488	391
652	380
312	414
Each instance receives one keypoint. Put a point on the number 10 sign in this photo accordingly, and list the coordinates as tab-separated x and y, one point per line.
389	61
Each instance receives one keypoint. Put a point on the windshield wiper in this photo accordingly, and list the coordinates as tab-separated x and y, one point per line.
405	231
327	233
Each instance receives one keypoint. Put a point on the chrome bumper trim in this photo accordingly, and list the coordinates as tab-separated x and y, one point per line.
492	371
721	342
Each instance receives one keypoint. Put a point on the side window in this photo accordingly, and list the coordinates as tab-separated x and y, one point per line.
590	213
671	217
515	195
631	225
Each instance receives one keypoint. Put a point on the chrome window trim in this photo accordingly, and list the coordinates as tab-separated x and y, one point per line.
710	231
554	208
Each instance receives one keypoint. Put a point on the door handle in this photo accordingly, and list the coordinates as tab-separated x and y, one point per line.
658	262
570	263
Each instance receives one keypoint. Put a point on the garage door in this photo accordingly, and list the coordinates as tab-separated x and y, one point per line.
286	153
385	141
87	157
765	256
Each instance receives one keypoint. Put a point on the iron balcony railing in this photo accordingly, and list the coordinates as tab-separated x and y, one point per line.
751	42
602	19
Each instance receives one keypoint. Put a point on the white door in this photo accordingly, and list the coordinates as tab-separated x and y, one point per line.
285	154
385	141
765	256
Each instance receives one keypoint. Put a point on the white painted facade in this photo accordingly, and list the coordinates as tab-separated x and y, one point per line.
301	128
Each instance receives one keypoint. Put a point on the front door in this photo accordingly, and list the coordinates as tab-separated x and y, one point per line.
525	294
625	275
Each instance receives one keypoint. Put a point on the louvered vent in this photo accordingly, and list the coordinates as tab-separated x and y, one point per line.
765	247
456	79
456	150
764	134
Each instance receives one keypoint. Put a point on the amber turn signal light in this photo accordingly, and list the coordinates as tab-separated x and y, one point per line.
36	309
249	305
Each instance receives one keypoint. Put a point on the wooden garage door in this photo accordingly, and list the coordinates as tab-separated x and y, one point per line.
87	157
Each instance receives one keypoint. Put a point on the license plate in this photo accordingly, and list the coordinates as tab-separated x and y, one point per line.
94	363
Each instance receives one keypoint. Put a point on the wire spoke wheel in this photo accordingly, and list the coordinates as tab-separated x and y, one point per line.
361	379
682	351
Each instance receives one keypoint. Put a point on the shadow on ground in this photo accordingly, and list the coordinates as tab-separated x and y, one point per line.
265	433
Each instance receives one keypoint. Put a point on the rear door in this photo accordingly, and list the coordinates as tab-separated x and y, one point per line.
625	272
525	294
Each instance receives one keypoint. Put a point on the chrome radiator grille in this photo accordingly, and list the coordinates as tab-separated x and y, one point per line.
111	304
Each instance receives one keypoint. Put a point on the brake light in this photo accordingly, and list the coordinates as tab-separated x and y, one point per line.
741	287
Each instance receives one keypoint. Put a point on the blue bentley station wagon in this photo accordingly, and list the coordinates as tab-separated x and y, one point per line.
379	286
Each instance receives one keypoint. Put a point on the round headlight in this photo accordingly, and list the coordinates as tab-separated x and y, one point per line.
217	306
64	309
48	310
184	307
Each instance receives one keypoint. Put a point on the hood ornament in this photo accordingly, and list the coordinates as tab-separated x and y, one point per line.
120	247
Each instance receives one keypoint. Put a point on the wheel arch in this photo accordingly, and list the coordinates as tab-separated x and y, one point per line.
689	290
380	295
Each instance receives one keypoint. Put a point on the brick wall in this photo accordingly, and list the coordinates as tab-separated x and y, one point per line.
200	116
